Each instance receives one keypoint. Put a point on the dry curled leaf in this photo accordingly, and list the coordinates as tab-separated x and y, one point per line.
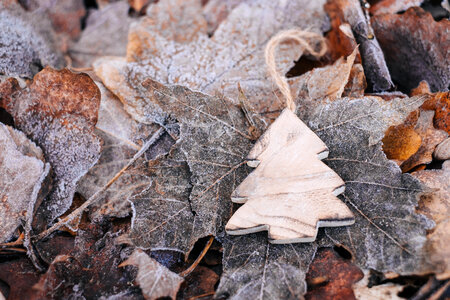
415	47
58	111
105	34
387	234
154	279
158	48
440	103
363	291
430	138
22	172
436	205
338	274
27	42
327	82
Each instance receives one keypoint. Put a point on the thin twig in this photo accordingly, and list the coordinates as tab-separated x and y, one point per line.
202	296
77	212
199	258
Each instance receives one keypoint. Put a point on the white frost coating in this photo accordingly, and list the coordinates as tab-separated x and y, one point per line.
22	171
211	64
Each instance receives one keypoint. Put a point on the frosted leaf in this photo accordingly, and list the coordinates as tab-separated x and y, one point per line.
27	42
174	54
155	280
58	111
22	172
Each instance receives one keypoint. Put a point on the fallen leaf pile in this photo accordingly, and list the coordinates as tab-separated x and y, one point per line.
125	127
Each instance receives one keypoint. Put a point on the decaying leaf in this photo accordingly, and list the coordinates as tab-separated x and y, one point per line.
402	141
22	172
122	137
436	205
331	277
415	47
430	138
90	270
201	281
154	279
440	103
105	34
393	6
27	42
387	234
158	48
20	275
326	82
58	111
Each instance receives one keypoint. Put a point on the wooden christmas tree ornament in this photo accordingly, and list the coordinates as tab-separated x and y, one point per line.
291	192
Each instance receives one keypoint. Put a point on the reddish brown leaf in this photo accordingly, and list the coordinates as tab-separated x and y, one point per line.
393	6
58	111
20	275
440	103
331	277
200	282
415	47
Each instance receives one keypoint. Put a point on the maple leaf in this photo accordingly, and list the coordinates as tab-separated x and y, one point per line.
58	111
158	48
387	235
22	172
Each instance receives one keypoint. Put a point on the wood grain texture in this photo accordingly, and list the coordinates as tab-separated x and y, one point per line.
291	192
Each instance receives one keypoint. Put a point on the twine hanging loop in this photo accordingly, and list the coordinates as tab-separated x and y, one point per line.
302	37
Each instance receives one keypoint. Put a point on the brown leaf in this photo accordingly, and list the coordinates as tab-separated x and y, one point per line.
20	275
436	205
89	270
158	49
58	111
328	82
138	5
105	34
201	281
339	275
440	103
154	279
27	42
393	6
415	47
22	172
430	137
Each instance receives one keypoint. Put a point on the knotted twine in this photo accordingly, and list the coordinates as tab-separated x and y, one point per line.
301	37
